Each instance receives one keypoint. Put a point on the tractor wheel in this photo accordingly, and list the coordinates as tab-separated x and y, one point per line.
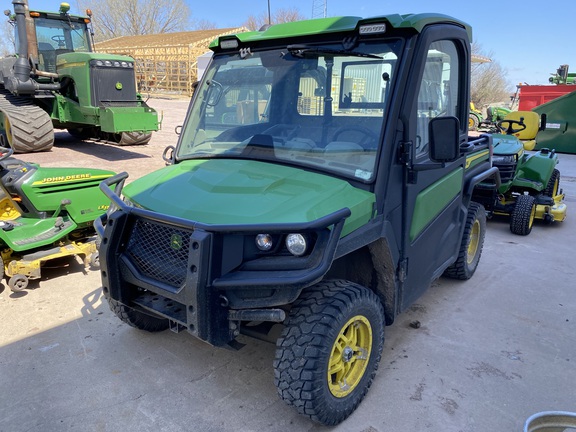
136	318
471	245
329	350
553	184
28	128
473	122
133	138
18	282
523	215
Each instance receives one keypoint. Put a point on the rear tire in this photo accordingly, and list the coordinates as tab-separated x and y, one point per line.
523	215
136	318
473	122
329	350
471	245
28	127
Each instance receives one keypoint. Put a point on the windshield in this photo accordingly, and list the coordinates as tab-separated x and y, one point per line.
318	107
58	37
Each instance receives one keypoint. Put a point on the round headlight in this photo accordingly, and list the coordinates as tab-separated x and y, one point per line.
296	244
264	242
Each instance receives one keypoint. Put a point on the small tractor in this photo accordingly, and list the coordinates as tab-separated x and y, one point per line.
530	181
46	214
56	80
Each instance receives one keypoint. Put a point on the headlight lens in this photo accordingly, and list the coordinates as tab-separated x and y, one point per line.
264	242
507	159
296	244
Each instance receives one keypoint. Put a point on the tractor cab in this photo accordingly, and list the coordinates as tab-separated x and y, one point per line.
55	33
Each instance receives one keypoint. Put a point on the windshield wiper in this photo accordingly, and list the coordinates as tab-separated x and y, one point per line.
303	51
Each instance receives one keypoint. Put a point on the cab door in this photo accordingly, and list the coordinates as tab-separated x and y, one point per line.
433	210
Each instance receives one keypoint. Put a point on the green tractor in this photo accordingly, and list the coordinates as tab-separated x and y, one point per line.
46	214
530	181
477	121
475	118
494	114
56	80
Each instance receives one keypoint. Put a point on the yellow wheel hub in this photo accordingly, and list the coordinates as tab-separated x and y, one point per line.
349	357
474	241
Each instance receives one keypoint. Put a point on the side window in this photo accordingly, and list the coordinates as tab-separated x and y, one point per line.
439	90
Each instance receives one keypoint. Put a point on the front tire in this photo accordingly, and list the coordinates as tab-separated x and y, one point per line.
136	318
329	350
471	245
553	184
523	215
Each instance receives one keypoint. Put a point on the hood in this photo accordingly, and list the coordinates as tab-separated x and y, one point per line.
233	191
507	145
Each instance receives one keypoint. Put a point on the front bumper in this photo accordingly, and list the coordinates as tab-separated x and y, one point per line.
190	272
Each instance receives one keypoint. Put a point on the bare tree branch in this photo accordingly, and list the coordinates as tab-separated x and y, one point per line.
115	18
488	81
280	16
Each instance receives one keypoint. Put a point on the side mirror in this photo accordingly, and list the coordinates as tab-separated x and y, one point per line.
444	136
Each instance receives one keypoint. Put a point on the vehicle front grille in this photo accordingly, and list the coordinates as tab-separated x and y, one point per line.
106	89
160	251
507	171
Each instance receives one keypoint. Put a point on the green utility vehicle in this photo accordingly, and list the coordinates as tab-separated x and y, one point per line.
323	179
57	81
530	182
46	214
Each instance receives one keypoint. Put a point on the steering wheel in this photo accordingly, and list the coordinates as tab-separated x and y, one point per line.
282	132
59	39
369	135
510	129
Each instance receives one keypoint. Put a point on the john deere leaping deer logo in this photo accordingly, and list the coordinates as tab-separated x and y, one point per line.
176	242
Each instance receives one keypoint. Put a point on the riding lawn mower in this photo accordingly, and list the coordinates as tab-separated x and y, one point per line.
530	181
46	214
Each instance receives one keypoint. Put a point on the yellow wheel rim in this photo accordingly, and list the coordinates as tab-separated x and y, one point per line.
8	130
349	357
532	216
474	241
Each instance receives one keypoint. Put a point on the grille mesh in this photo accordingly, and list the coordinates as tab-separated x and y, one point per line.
507	171
160	251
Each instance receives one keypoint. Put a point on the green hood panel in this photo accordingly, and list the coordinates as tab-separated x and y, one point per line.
226	191
506	144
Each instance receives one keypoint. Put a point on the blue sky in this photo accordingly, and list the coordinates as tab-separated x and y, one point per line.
529	39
